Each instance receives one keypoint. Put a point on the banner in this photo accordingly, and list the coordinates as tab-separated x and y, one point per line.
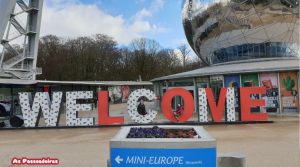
270	82
125	93
234	82
289	91
115	94
251	80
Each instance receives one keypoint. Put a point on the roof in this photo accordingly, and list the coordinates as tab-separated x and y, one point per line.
115	83
32	82
17	82
249	66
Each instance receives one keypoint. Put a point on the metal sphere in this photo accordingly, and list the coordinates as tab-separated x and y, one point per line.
222	31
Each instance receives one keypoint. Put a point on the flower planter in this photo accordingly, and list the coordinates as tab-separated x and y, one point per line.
189	146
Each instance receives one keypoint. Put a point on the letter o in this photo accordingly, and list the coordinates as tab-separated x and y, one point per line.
166	104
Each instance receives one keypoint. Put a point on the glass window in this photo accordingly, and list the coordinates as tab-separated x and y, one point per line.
256	48
273	49
250	51
202	82
235	51
228	53
202	79
278	49
216	83
182	82
240	50
262	50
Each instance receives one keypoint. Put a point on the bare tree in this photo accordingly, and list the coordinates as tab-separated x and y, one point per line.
185	51
144	57
100	58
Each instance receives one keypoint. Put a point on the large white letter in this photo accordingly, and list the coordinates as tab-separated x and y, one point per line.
73	108
203	113
132	105
41	100
230	105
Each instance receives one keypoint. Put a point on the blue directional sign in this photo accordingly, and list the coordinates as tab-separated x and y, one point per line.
187	157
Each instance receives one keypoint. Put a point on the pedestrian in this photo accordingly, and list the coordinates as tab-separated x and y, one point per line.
142	108
178	112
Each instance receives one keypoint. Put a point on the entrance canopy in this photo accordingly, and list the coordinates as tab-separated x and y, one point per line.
32	82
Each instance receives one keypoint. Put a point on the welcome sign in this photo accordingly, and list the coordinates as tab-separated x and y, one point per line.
207	106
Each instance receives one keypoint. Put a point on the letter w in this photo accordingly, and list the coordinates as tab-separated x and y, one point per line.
41	101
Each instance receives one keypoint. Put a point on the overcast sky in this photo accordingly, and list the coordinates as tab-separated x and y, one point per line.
124	20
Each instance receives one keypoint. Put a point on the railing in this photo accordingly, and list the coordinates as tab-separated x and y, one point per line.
13	61
38	71
22	5
17	25
10	49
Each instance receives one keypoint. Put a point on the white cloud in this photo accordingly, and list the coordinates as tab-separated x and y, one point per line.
71	18
144	13
155	6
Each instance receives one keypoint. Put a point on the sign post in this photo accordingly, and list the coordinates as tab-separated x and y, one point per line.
185	152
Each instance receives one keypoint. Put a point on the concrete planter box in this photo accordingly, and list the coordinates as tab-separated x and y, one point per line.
189	152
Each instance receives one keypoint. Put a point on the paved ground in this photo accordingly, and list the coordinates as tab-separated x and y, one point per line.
265	145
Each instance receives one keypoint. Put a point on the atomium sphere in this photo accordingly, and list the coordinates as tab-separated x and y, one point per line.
221	31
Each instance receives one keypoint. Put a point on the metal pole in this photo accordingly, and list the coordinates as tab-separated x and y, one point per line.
279	94
298	91
12	102
196	101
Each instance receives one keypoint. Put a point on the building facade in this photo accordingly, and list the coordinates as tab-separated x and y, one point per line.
244	43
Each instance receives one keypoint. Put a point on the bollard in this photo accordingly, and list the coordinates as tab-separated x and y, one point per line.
231	160
108	163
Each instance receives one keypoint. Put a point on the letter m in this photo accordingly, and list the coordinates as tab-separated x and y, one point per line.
130	160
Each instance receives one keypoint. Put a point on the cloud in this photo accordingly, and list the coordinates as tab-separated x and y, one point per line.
143	14
71	18
155	6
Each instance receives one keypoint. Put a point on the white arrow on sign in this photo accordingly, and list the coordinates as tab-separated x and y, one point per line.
118	159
